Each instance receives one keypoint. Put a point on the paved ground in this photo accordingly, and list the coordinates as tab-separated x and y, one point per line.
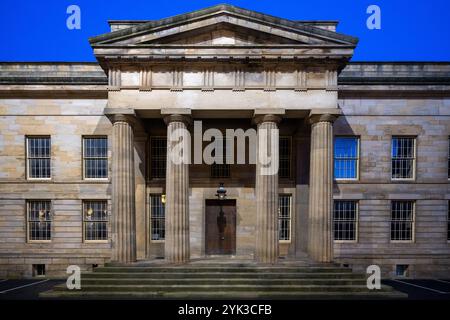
437	289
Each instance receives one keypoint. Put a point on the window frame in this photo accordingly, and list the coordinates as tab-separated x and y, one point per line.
27	221
413	222
448	221
150	195
414	138
27	157
83	157
289	138
84	221
150	162
448	158
358	157
290	218
356	222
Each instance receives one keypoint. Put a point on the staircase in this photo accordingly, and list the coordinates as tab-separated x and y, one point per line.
233	280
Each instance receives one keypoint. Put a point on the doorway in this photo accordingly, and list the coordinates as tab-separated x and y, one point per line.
220	227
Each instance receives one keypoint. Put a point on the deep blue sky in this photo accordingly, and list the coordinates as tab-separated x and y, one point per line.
411	30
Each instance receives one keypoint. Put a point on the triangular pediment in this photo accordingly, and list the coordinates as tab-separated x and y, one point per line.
221	25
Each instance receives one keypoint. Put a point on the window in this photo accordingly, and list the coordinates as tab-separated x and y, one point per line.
402	220
401	270
448	160
38	157
38	270
158	151
95	219
221	170
157	216
39	220
448	221
345	220
284	217
346	157
403	157
95	157
285	157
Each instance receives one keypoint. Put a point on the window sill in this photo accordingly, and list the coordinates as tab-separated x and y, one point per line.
402	241
345	241
157	241
95	241
39	241
284	241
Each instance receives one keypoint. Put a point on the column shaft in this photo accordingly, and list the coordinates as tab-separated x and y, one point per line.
177	198
123	193
320	241
266	190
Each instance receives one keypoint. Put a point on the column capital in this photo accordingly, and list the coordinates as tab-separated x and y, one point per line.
186	119
268	115
176	115
121	115
266	118
323	115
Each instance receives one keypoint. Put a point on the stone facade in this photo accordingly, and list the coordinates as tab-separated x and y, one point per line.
227	67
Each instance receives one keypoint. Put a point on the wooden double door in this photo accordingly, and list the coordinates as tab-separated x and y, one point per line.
220	227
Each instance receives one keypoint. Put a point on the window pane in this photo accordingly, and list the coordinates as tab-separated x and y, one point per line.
38	157
345	219
95	216
285	157
95	152
345	158
39	220
158	152
402	220
157	217
403	151
284	217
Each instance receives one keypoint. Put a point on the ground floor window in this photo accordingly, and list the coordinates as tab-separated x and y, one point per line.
345	220
95	217
402	220
157	217
39	219
448	221
284	217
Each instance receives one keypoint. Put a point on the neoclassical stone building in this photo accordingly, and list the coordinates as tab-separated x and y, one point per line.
363	150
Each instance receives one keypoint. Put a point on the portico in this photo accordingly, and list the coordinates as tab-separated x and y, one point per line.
226	67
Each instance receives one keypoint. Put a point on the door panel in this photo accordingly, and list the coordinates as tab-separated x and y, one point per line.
220	229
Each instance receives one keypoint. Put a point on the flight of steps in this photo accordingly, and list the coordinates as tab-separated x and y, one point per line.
222	281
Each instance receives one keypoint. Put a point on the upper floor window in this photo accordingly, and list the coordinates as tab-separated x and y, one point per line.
157	217
38	157
448	154
402	220
95	217
403	157
221	170
158	155
345	220
346	157
285	157
39	220
284	217
95	157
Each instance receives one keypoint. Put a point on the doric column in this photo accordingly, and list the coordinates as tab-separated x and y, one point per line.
123	189
266	188
177	189
320	238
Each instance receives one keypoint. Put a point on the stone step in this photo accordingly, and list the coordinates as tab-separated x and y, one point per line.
222	288
186	295
220	281
229	275
246	269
